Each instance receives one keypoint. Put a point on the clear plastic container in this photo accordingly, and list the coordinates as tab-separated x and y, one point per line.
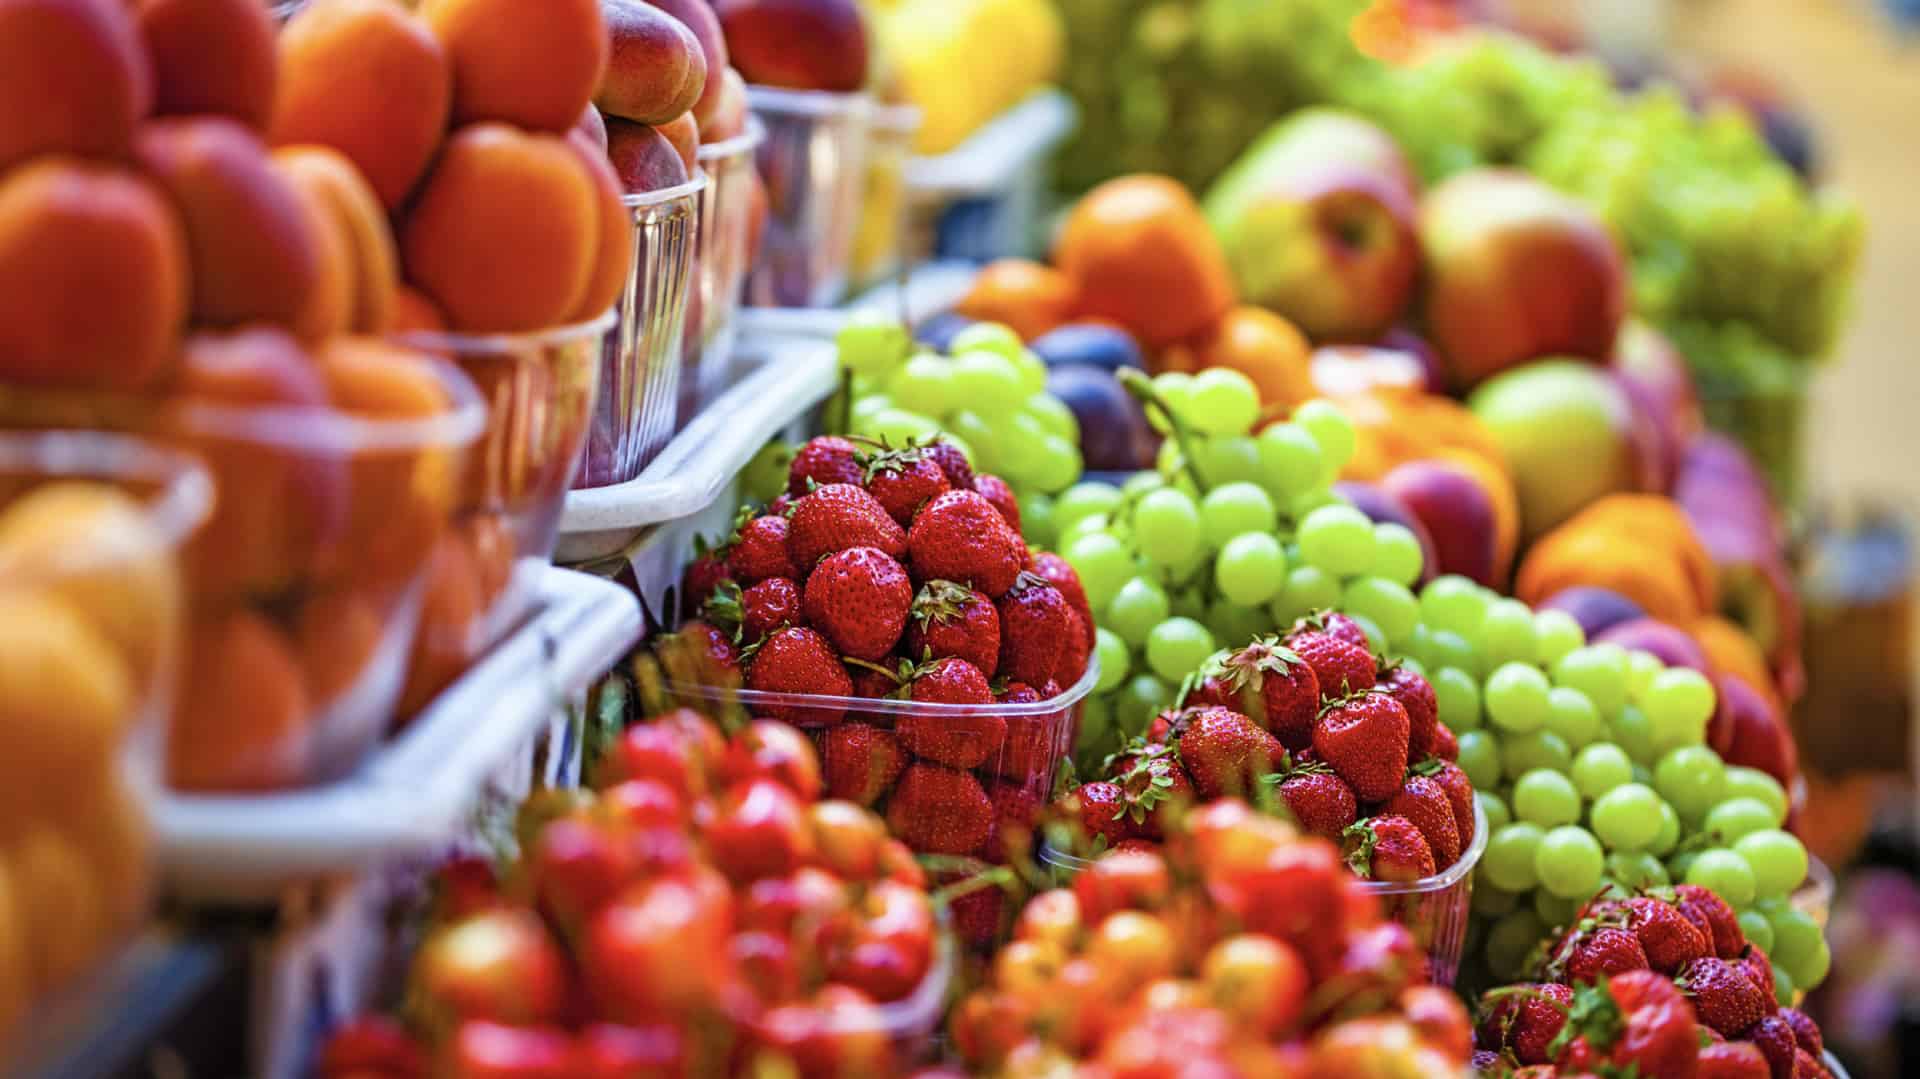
639	399
727	210
880	242
813	163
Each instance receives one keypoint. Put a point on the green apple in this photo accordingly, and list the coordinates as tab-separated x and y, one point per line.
1566	429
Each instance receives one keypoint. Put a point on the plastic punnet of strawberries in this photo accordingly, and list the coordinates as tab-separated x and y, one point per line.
898	576
1663	983
1240	948
704	913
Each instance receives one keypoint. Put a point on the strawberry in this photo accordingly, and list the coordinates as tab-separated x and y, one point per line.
1100	809
1446	747
782	505
1635	1020
949	619
1524	1020
1016	813
1034	624
1806	1066
1275	688
1364	738
1713	917
1333	624
1668	938
949	681
1773	1036
954	463
1222	751
1593	954
1459	789
959	536
1339	666
822	461
967	740
995	490
1415	694
759	550
1321	802
859	598
1760	972
877	681
1210	692
1722	994
1732	1060
1075	649
1029	749
860	761
836	517
1806	1032
702	576
1060	574
800	661
1157	789
939	810
713	651
904	480
1426	803
1387	848
759	610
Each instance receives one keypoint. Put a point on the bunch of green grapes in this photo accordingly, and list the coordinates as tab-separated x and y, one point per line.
1242	540
1591	764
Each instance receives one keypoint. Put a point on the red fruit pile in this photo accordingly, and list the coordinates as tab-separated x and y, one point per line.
703	909
1243	949
1664	983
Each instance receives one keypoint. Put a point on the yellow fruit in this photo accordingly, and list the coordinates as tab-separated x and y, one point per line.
65	699
65	914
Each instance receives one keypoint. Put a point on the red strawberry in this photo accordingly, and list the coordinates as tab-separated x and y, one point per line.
860	762
759	550
1668	938
1525	1020
1339	666
714	655
781	505
1016	813
1415	694
878	680
995	490
959	536
1806	1032
1222	751
1388	848
904	480
1806	1066
1453	780
1333	624
1722	994
1732	1060
1773	1036
1321	802
1275	688
1602	953
1157	789
1034	624
762	608
953	463
939	810
798	660
1445	746
822	461
1760	972
1713	917
963	741
1074	650
1060	574
949	619
702	576
1364	738
1028	752
859	599
836	517
1210	692
1426	803
1100	809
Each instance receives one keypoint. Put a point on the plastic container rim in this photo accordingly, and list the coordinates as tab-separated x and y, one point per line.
665	195
170	515
449	341
750	698
809	102
745	142
897	120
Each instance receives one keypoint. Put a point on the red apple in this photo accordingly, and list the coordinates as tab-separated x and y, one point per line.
797	44
1459	516
1516	271
1565	428
501	965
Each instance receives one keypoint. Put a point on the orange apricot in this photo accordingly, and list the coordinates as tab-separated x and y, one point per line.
367	78
66	697
684	133
494	549
1260	345
1028	297
68	927
614	257
73	79
351	210
414	313
211	56
107	821
534	65
1139	252
450	613
16	964
241	723
338	633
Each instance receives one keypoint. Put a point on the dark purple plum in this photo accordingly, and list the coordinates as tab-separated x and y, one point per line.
1668	643
1092	343
1596	609
938	332
1114	435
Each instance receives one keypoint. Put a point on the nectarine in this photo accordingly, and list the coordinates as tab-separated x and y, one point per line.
73	79
614	258
643	158
698	16
534	65
211	56
798	44
683	133
657	68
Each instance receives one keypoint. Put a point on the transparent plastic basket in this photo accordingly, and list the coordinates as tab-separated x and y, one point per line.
880	242
813	163
727	207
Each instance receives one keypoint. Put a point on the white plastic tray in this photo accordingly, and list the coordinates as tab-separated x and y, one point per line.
1005	149
415	792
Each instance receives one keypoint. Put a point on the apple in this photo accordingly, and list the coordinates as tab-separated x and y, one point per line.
1596	609
1668	643
1382	507
797	44
1563	426
1317	219
1646	358
1459	517
1516	271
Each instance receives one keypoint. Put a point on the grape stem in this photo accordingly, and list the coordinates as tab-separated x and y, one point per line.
1140	386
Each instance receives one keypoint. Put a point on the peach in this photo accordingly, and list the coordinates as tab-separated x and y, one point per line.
593	126
657	68
93	276
615	253
66	695
799	44
211	56
353	211
367	78
726	116
698	16
65	912
73	79
338	633
534	65
242	719
683	133
643	158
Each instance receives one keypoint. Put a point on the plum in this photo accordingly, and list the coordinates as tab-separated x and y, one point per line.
1093	343
1114	436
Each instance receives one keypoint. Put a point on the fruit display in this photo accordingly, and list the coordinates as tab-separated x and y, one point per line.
962	63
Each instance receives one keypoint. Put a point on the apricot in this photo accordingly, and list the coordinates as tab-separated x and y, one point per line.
1029	297
93	276
1139	252
533	65
16	965
683	133
504	233
353	211
73	79
414	313
613	260
241	723
643	158
367	78
330	302
255	252
338	633
211	56
450	614
66	696
108	824
1259	344
657	68
60	898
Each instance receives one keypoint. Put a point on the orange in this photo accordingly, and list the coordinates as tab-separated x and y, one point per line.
1260	345
1138	251
1027	296
242	721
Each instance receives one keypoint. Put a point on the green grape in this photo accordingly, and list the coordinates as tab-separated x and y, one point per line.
1397	556
1516	697
1331	429
1057	464
1053	415
979	435
765	477
1176	647
1388	605
1642	667
866	408
1033	379
1506	633
1778	860
1494	807
1449	649
923	384
1744	782
1103	564
1480	758
1554	912
1235	509
1535	749
1084	500
1795	937
1555	633
1627	817
1546	798
1632	731
1458	697
1225	402
1511	941
1724	873
1230	459
1376	638
1096	726
1175	389
1250	568
1142	698
1338	539
898	426
1095	523
872	344
1569	861
1669	835
1306	502
1692	779
1139	606
1572	716
1290	460
1453	603
1757	929
1021	438
1508	861
1737	817
995	337
1306	590
1141	484
1232	622
1601	767
1599	671
1638	870
987	381
1678	702
1166	526
1038	525
1784	991
1190	603
1115	657
1491	902
1415	666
